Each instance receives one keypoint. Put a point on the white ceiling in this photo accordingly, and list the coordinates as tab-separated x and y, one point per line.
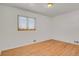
41	8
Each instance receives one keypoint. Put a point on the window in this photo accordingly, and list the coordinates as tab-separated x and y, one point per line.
26	23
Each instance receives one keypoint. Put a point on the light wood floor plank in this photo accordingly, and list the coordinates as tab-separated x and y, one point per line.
45	48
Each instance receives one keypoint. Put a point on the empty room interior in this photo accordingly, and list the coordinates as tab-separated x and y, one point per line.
39	29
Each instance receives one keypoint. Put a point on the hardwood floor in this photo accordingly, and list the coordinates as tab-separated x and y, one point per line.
45	48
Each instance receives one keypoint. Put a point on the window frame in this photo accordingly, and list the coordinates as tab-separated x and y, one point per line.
27	23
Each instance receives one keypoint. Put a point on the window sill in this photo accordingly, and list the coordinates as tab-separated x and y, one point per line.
26	29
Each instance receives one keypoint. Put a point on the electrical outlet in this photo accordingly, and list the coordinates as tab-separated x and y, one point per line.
34	40
76	41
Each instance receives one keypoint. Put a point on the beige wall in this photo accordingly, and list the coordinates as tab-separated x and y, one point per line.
11	38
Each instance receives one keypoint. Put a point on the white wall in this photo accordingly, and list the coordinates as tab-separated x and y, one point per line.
11	38
65	27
